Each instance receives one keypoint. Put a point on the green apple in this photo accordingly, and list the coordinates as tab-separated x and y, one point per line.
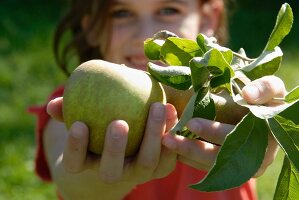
99	92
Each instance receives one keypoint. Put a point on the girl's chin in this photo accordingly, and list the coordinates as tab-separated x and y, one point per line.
143	68
139	66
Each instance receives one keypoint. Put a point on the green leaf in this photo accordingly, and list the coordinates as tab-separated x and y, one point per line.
218	67
179	51
152	49
204	107
185	117
291	112
178	77
206	43
266	64
152	46
240	156
214	59
237	62
282	27
288	183
201	41
199	73
286	133
292	95
265	112
199	105
222	81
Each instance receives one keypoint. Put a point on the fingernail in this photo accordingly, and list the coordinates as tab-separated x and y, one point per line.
118	129
56	99
77	130
114	132
252	92
158	111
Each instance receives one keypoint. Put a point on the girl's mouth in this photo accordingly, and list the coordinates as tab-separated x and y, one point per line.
138	62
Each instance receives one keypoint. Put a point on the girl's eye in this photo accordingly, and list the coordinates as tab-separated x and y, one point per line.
122	13
169	11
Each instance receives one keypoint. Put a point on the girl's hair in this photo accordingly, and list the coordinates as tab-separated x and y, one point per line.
66	45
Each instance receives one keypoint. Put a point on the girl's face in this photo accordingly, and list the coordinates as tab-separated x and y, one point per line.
133	21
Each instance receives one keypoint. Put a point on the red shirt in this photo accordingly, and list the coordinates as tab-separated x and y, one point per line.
173	187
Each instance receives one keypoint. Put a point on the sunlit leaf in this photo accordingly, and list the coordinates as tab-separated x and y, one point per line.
204	107
237	62
199	105
214	58
222	81
240	156
178	77
152	49
282	27
186	115
291	112
292	95
179	51
266	64
214	61
286	134
206	43
288	183
199	73
201	41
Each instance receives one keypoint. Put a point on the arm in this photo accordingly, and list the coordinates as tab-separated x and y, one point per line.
79	175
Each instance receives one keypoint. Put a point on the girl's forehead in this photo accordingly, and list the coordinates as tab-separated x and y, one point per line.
150	1
147	4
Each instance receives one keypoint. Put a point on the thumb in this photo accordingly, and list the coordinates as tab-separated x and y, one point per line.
54	108
263	90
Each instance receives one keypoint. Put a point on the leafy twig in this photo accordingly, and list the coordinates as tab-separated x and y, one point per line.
243	57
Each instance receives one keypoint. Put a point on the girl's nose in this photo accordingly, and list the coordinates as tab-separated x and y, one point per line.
146	27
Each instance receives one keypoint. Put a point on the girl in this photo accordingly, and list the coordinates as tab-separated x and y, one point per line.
114	30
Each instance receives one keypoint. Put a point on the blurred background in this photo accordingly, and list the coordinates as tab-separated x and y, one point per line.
28	74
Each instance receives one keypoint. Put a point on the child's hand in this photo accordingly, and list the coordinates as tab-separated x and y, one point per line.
198	154
112	173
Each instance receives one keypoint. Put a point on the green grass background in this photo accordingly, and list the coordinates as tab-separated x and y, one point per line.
28	74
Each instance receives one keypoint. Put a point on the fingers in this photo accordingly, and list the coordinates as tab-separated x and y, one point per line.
270	155
211	131
149	153
111	164
54	108
112	161
74	155
167	163
195	153
262	90
152	160
171	116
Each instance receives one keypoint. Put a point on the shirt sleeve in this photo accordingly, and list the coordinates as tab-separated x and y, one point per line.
41	166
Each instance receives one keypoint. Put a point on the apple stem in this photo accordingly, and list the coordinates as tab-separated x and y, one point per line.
237	87
243	57
279	99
